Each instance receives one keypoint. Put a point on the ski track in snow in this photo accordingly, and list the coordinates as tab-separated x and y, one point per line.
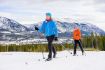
94	60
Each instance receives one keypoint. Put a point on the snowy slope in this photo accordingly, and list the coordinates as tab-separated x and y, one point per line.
30	61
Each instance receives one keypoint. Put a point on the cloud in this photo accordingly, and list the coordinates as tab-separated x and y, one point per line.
5	14
30	11
99	1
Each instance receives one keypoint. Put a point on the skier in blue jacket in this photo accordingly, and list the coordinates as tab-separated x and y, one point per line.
50	31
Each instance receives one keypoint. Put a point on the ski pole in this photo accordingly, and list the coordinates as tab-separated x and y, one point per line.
65	48
40	42
42	51
42	48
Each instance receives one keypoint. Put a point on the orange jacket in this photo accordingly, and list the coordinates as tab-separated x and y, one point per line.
77	34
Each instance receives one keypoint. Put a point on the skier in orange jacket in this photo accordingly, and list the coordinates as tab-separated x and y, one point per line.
77	40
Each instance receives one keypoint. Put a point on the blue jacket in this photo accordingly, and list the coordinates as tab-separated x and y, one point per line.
49	28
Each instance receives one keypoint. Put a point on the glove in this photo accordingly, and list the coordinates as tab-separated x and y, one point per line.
36	28
56	38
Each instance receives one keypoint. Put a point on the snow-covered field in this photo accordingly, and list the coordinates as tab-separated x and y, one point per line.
94	60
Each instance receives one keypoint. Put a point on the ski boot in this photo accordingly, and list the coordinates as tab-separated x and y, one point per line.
48	59
54	56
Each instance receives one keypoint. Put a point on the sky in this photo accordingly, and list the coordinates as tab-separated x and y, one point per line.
33	11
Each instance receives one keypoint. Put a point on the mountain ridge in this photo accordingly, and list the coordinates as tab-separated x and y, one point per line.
10	30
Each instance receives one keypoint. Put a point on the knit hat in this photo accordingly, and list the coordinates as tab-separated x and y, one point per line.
48	14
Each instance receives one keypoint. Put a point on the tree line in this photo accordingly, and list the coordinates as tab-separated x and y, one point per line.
91	42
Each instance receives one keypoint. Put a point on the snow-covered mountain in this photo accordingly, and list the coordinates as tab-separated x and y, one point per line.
11	25
65	28
11	30
86	28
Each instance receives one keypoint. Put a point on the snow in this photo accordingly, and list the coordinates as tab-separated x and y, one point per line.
11	25
94	60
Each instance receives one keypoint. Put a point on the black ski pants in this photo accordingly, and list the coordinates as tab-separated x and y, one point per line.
50	46
77	42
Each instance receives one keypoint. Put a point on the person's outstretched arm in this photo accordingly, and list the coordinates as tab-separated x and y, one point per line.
41	29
